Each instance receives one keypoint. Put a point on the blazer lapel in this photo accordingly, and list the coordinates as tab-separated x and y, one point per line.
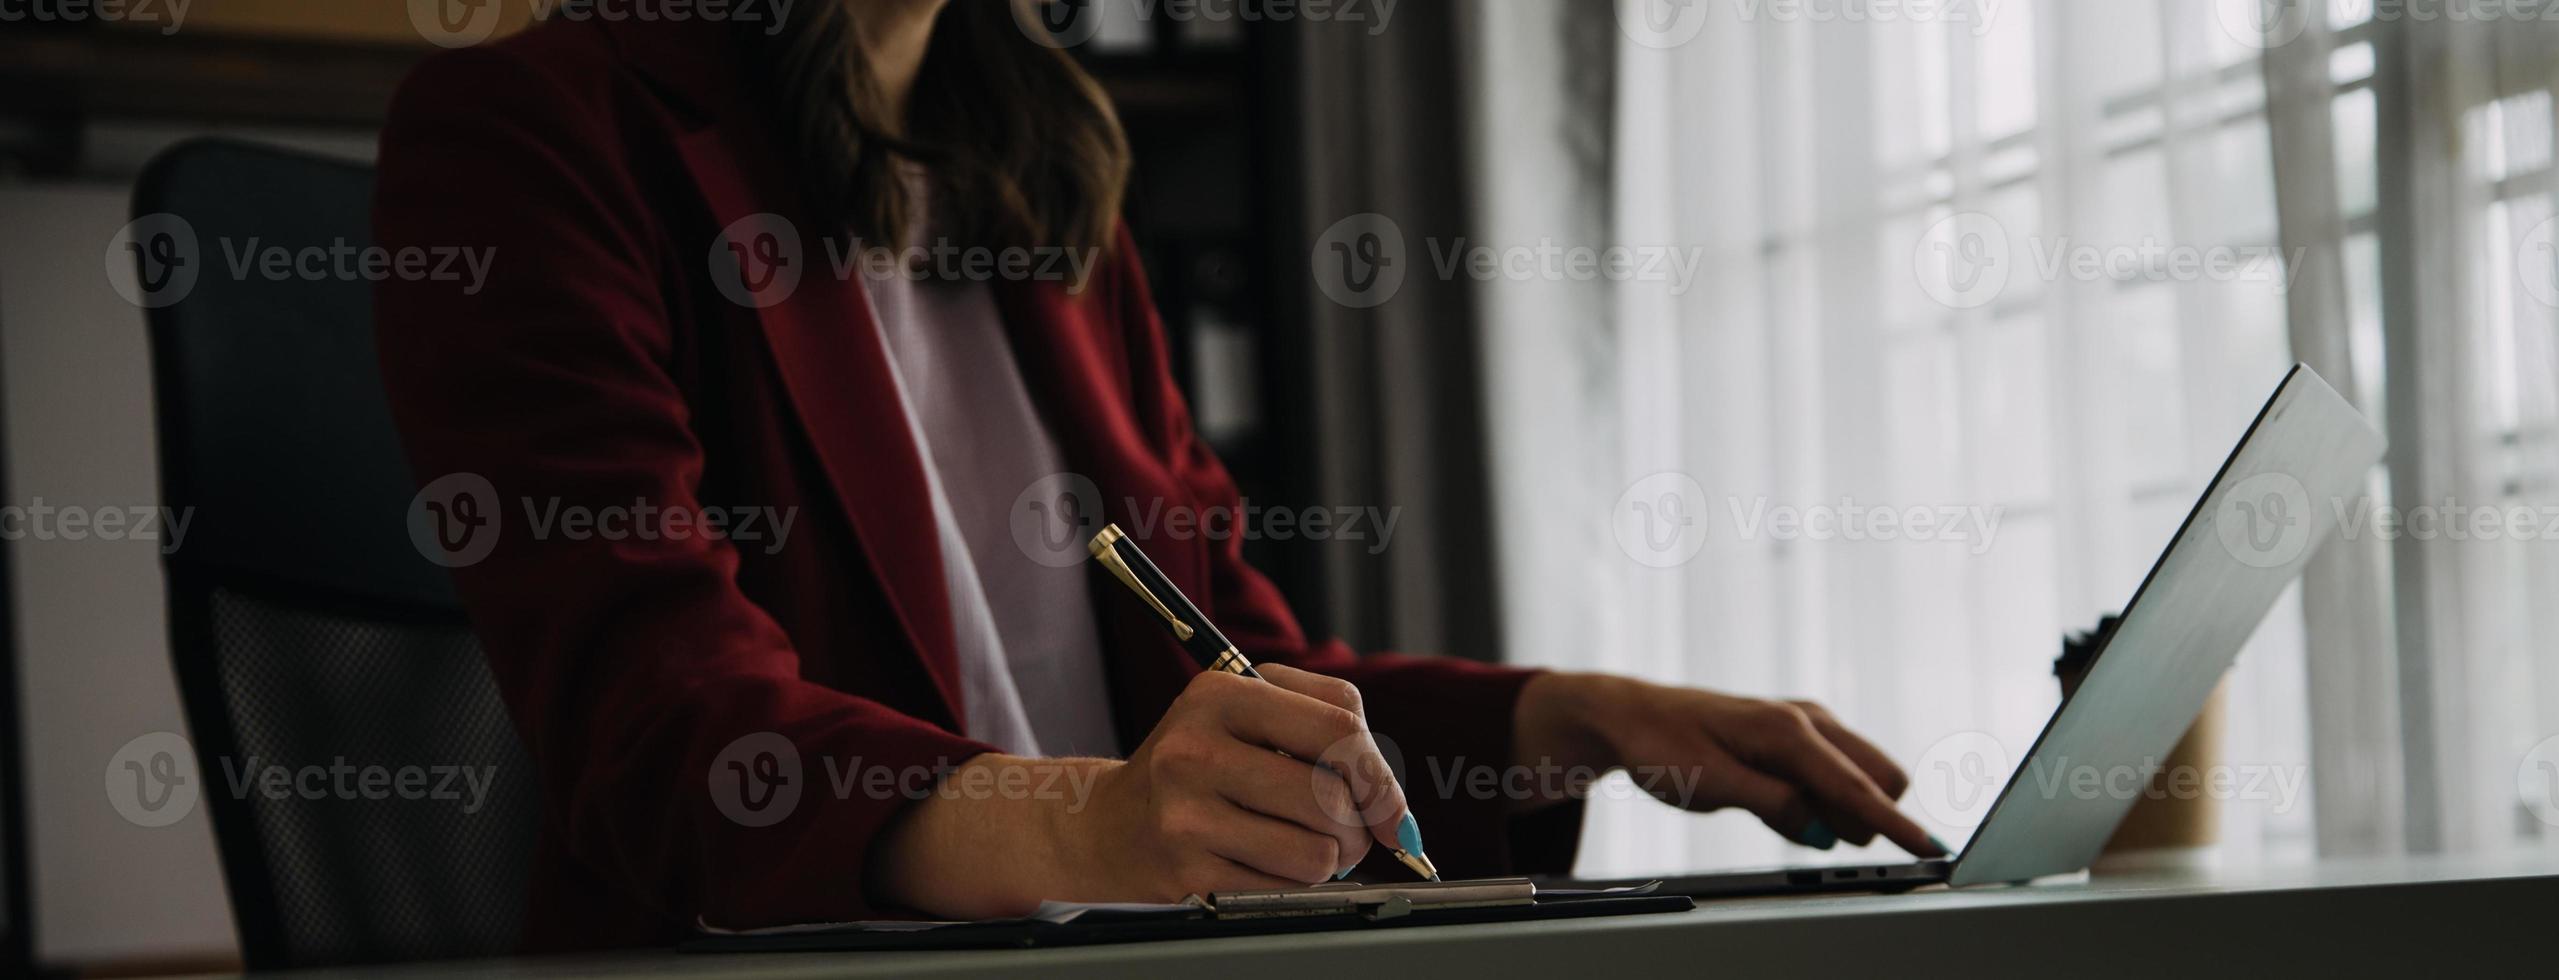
833	361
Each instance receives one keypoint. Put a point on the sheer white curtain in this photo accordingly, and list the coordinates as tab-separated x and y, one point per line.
2443	218
2022	262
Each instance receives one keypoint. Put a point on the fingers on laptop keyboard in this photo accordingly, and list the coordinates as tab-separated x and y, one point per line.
1843	792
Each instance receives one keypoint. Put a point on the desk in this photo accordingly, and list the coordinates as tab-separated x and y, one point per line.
2407	916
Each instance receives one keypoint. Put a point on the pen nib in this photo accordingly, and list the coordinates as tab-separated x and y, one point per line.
1421	865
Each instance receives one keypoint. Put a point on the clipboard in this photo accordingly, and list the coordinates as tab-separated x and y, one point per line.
1328	907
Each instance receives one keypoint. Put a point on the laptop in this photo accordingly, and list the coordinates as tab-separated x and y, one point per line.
2250	534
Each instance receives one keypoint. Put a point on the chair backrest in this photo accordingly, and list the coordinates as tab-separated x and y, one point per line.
307	630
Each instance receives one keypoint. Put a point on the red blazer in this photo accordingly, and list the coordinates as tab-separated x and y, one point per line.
600	365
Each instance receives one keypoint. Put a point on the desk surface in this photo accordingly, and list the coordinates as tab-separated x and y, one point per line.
2359	917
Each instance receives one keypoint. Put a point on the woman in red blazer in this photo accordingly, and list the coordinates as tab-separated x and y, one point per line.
742	730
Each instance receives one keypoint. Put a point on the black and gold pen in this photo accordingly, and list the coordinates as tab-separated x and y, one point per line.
1211	648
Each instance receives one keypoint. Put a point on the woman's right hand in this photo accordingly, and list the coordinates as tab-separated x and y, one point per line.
1210	802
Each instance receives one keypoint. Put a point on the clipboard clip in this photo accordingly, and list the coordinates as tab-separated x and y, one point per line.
1375	901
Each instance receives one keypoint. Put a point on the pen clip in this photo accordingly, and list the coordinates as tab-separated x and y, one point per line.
1110	558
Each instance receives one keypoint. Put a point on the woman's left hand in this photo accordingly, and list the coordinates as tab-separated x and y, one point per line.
1790	763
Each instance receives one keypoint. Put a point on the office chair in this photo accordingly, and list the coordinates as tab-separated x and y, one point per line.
305	627
17	896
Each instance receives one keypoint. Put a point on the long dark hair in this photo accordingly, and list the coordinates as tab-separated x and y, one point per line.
1021	145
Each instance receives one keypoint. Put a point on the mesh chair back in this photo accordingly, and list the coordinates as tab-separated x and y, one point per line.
368	793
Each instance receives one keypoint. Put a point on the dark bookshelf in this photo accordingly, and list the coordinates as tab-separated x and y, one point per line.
1212	202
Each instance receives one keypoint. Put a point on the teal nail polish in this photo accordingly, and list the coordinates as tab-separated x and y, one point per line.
1409	835
1818	835
1941	845
1344	873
